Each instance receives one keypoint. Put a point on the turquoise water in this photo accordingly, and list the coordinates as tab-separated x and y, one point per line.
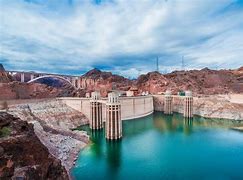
164	147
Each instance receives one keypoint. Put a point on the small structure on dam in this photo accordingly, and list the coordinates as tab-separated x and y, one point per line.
113	117
188	105
95	111
168	103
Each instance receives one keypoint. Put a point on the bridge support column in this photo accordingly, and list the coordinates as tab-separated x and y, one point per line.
32	76
168	103
95	112
74	82
188	105
22	77
113	117
79	83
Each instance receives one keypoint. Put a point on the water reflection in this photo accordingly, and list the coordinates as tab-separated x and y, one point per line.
137	126
113	153
96	136
188	126
168	123
163	123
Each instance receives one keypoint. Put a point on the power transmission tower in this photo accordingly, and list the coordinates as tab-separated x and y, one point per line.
157	64
182	64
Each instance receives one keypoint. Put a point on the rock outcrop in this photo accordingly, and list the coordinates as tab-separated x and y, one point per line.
4	77
104	82
22	155
203	81
53	122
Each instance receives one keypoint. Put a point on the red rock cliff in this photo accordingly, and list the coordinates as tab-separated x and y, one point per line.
22	155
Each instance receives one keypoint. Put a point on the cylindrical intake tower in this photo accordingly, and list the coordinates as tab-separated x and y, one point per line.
188	105
95	111
168	103
113	117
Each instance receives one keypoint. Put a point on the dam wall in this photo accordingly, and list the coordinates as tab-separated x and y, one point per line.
131	107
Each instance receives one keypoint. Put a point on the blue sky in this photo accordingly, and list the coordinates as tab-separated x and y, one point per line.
122	36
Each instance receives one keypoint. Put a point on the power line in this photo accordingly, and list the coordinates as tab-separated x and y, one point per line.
157	64
182	64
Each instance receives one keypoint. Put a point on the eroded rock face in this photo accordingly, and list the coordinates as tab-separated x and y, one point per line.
4	77
23	156
203	81
52	112
104	82
53	121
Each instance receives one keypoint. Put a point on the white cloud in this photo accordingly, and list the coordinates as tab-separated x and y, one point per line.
84	34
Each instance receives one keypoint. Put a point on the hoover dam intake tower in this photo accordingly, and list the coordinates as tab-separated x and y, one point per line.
188	105
113	129
168	109
95	111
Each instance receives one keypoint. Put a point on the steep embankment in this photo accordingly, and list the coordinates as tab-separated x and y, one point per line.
52	123
209	107
22	155
4	77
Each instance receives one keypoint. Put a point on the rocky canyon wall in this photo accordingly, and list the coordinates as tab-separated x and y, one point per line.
22	155
53	122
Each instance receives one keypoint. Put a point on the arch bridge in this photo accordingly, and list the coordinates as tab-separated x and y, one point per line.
75	81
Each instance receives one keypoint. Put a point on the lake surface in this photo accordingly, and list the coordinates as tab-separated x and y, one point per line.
164	147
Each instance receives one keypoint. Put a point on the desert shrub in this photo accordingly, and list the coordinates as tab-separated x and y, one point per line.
4	132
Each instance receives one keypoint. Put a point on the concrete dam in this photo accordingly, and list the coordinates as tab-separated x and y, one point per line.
131	107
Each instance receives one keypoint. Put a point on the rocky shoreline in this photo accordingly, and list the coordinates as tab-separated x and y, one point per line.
52	121
216	106
238	128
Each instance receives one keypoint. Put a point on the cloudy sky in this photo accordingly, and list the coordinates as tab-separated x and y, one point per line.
122	36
